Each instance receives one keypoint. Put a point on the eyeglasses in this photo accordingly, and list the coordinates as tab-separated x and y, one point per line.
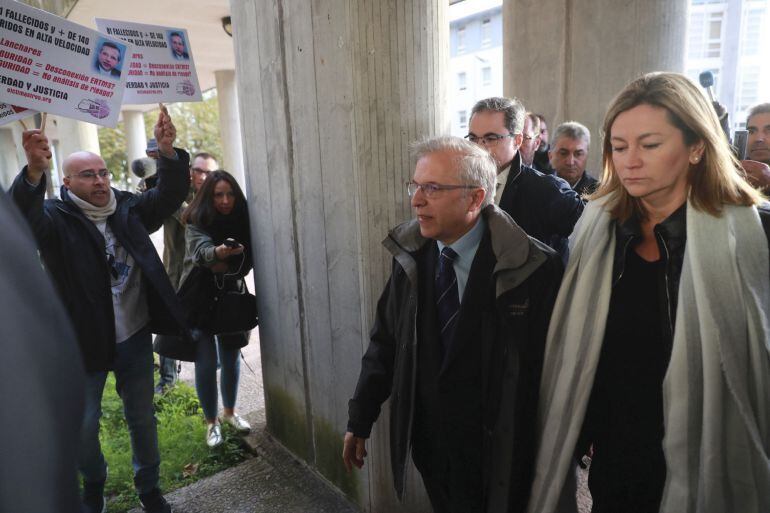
487	140
528	137
432	189
201	171
90	175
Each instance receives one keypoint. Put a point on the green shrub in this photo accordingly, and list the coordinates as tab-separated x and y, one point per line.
184	455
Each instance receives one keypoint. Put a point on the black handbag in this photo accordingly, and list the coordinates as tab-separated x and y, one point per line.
235	308
178	347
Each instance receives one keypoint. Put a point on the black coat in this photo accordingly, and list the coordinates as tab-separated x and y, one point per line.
511	341
42	376
671	235
586	185
544	206
73	250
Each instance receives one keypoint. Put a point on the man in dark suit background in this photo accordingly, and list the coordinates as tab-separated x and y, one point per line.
544	206
465	314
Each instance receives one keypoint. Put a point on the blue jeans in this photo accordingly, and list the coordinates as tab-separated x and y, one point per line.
134	384
206	375
168	371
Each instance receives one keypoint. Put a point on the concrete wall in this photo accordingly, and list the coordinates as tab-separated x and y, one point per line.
331	94
567	59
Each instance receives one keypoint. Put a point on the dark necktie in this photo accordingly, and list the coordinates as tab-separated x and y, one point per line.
447	297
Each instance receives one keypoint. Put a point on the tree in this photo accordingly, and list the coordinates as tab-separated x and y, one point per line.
197	129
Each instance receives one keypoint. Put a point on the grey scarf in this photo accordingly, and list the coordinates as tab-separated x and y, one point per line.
716	393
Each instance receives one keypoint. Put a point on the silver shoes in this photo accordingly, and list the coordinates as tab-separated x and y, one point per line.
237	422
214	435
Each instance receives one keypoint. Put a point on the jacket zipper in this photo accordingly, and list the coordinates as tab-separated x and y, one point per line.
413	393
625	248
665	276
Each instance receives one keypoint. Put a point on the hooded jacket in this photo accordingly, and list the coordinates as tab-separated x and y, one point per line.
526	278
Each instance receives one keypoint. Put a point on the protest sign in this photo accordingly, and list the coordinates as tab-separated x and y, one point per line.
52	65
10	113
162	67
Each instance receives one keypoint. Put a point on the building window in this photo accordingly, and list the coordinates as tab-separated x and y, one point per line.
486	76
462	81
705	35
462	119
751	35
749	87
486	32
461	39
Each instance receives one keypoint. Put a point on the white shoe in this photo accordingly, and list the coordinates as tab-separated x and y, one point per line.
237	422
214	435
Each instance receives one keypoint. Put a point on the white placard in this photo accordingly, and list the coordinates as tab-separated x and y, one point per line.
162	67
9	113
50	64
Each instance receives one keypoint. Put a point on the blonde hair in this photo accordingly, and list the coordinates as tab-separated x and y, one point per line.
716	180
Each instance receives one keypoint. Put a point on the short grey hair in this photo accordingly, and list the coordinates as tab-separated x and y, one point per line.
511	108
762	108
475	165
572	130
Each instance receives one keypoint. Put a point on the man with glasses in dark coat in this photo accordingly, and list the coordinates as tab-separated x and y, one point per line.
96	246
544	206
458	339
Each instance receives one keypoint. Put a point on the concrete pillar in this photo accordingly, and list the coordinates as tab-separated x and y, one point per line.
136	140
332	92
76	136
567	59
9	162
230	124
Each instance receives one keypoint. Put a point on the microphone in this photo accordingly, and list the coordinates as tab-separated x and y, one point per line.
707	82
143	167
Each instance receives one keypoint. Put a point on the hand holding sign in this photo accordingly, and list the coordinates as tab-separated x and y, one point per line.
38	154
165	133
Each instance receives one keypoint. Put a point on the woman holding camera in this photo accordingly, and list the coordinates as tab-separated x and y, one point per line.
657	353
218	257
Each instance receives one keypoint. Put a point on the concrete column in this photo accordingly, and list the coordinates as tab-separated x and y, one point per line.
230	124
76	136
567	59
136	140
332	92
9	162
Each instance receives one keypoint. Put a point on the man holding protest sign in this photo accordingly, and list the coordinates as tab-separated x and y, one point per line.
95	243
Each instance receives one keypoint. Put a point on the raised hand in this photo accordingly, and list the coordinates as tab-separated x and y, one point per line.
165	133
38	153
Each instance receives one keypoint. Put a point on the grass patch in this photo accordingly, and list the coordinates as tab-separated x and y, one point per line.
184	455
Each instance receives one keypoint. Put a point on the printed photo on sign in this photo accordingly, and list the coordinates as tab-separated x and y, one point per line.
109	57
49	64
162	62
178	45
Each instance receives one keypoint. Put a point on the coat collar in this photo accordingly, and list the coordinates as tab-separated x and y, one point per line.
515	254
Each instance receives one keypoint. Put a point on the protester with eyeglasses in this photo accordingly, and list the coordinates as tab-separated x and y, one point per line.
96	246
174	250
458	338
544	206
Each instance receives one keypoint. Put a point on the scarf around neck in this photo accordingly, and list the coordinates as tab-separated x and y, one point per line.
92	212
716	392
